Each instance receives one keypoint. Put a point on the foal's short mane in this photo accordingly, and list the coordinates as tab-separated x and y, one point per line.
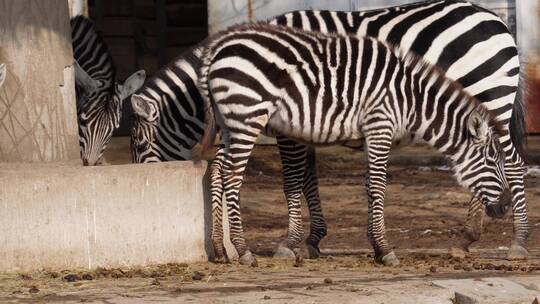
191	55
413	60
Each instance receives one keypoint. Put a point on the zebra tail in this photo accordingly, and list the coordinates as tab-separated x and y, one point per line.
518	127
210	131
209	136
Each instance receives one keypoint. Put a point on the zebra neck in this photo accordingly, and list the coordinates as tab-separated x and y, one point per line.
441	109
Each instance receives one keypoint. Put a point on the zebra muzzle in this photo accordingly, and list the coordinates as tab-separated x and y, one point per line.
498	210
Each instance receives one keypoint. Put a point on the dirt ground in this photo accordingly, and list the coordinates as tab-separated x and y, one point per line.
424	212
425	207
421	278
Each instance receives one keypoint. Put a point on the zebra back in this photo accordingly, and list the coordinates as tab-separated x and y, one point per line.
290	52
92	54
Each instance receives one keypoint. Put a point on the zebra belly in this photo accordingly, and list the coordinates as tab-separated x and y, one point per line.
314	133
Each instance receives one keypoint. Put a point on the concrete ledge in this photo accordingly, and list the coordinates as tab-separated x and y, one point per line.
66	216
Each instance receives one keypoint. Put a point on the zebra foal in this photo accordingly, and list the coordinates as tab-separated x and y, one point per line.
325	89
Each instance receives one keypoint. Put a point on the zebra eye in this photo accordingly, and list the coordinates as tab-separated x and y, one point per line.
142	145
491	154
83	119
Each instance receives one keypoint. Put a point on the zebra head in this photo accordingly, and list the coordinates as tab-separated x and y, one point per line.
156	135
2	74
99	110
144	130
480	164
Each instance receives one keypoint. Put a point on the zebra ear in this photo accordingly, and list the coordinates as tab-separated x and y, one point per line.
141	107
478	127
83	79
132	84
2	74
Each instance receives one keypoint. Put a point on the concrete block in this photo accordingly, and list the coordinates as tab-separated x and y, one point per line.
67	216
486	290
460	298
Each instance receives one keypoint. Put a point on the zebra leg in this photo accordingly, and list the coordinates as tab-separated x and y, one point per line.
378	149
310	189
515	172
293	159
216	191
237	149
472	231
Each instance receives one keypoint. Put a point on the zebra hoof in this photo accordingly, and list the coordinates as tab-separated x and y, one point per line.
390	259
313	251
457	253
517	252
284	252
221	260
248	259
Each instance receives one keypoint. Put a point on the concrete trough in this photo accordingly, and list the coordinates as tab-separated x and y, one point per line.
67	216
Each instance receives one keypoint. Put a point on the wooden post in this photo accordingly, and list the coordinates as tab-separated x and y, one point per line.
78	7
37	101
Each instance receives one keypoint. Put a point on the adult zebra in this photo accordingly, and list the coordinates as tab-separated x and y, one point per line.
99	98
326	89
471	43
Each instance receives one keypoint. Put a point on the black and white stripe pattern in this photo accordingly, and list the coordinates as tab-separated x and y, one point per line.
471	43
99	98
326	89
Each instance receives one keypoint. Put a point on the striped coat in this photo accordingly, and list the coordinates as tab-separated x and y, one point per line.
260	76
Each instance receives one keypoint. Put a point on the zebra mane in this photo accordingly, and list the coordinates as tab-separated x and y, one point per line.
86	42
420	65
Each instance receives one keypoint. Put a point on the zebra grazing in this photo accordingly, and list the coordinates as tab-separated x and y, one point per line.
326	89
99	98
472	44
3	73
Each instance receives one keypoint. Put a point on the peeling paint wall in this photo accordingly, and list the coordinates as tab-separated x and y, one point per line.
37	122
